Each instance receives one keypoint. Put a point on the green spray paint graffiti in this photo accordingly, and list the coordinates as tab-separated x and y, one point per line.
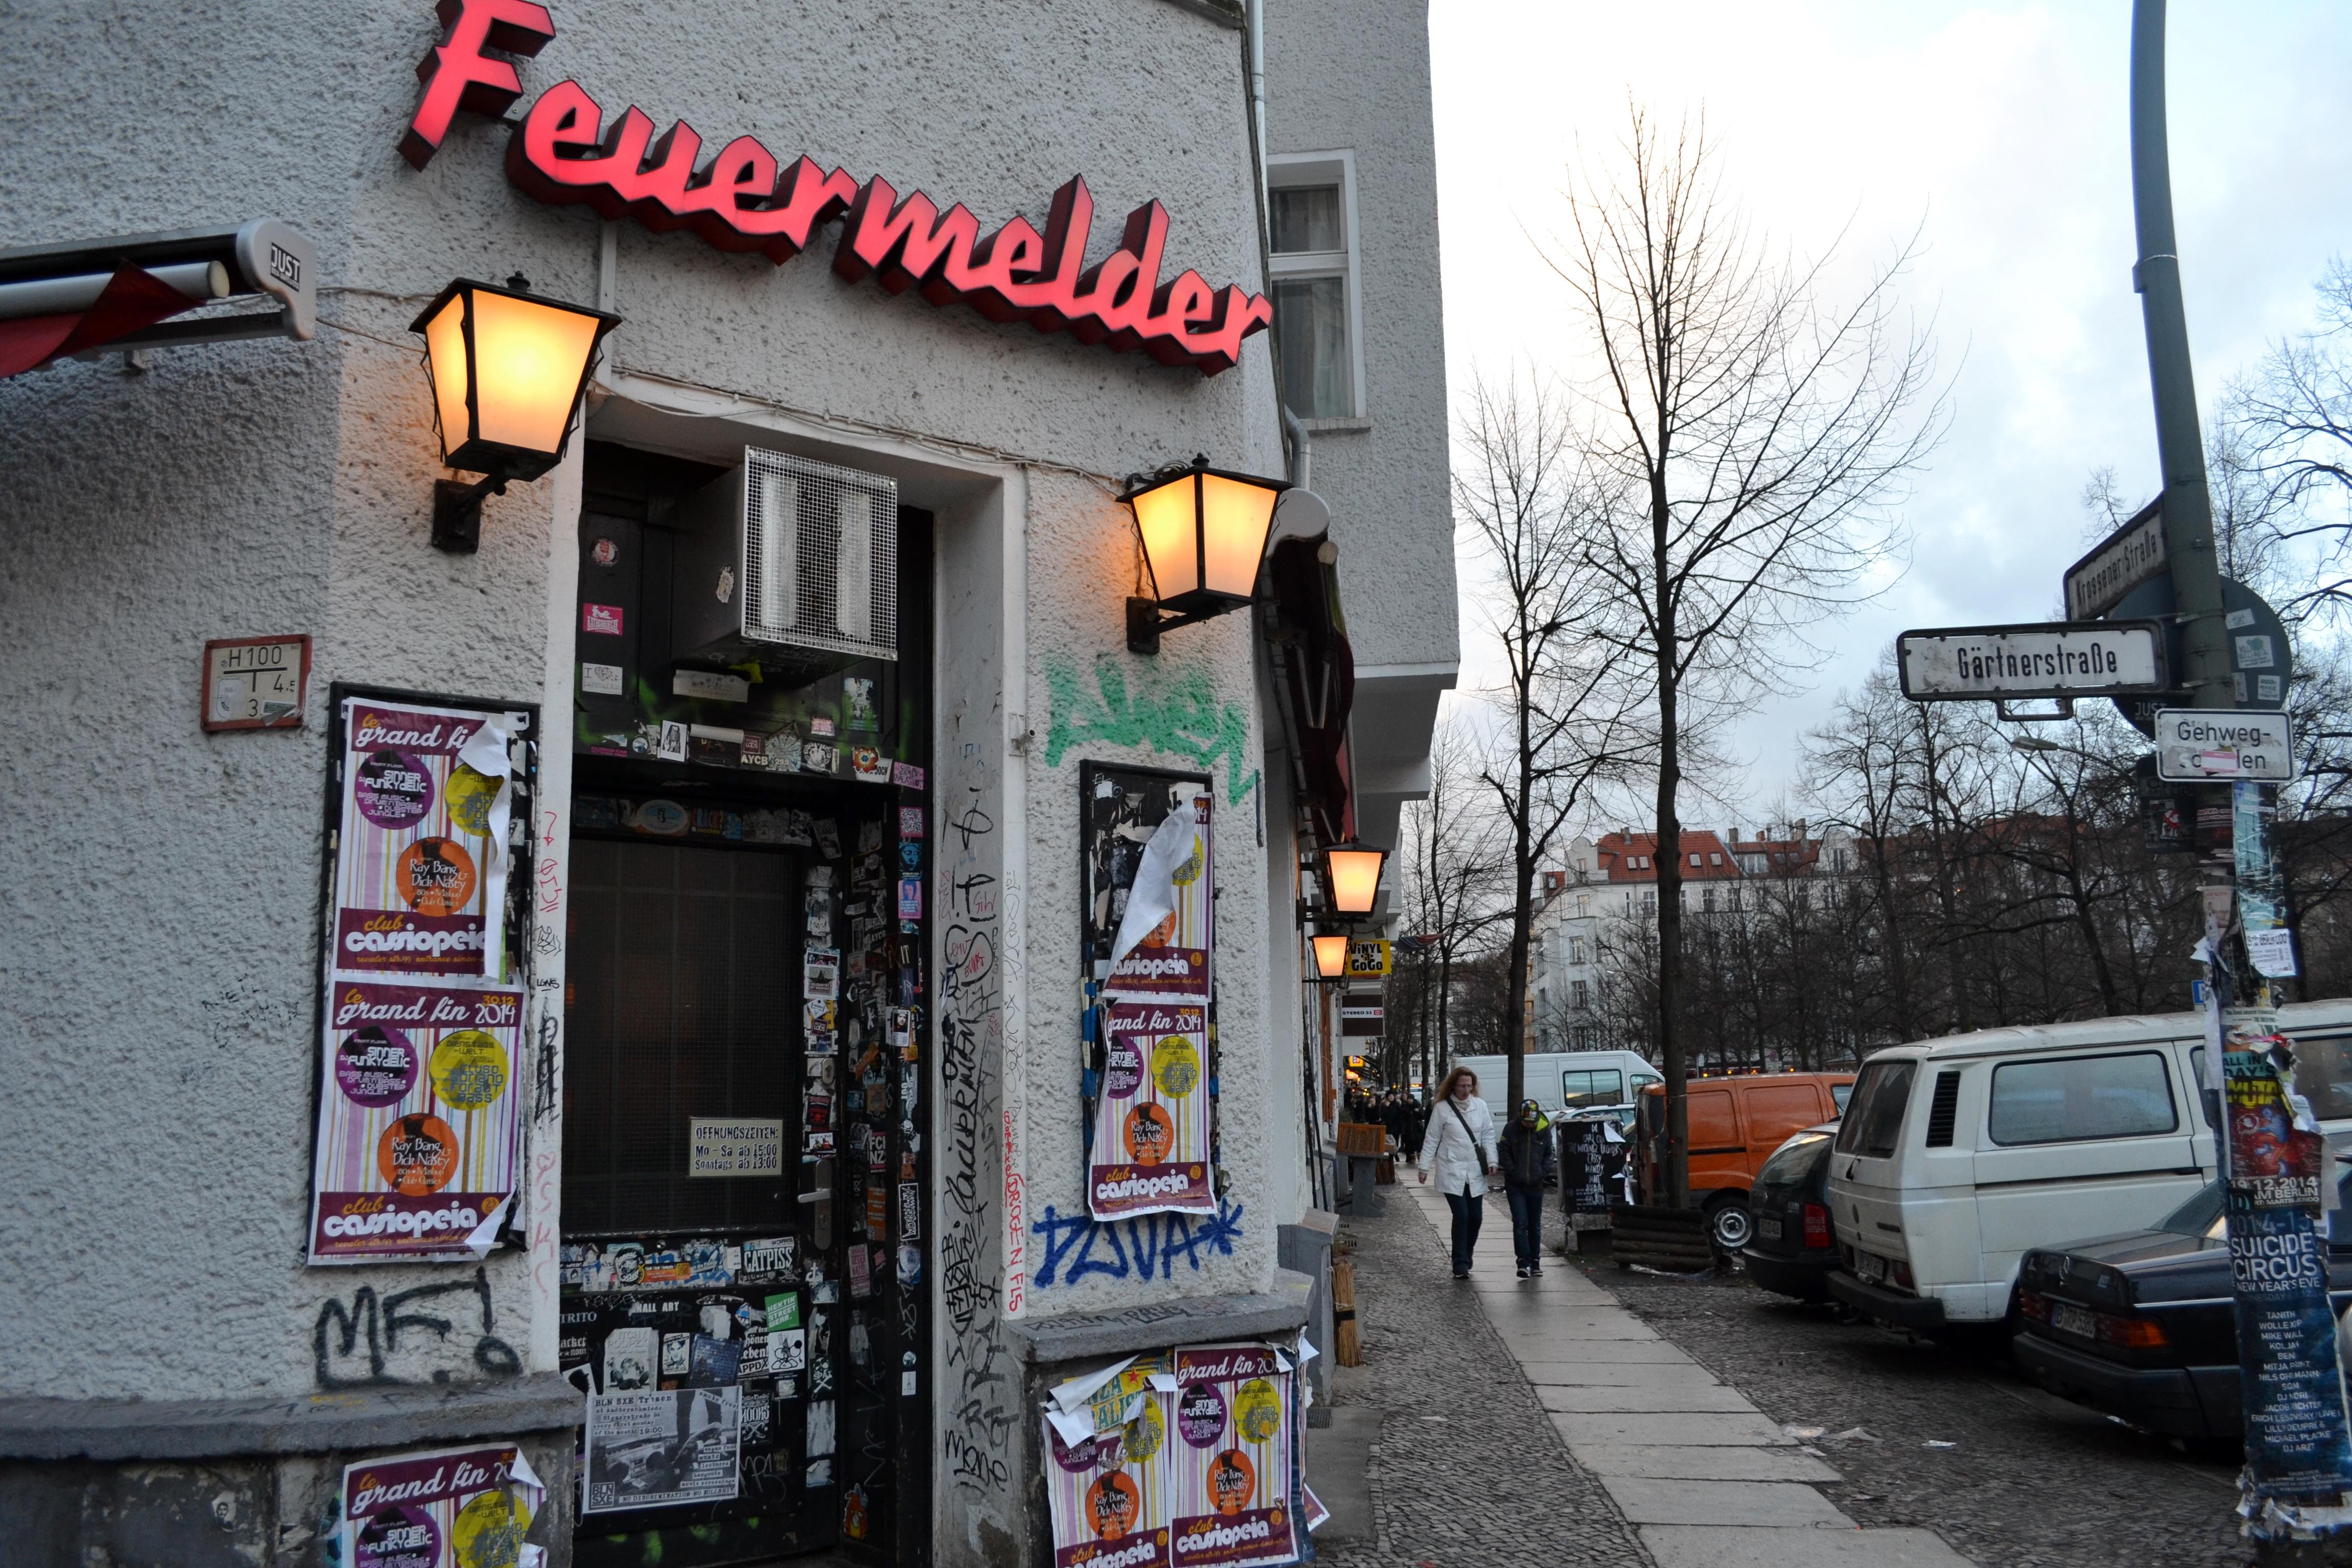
1176	711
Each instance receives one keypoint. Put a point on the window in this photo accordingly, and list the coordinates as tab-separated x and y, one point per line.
1317	319
1583	906
1707	900
2082	1098
1582	1036
1601	1086
1576	946
1694	860
1713	858
1840	1093
2323	1074
1874	1121
1578	995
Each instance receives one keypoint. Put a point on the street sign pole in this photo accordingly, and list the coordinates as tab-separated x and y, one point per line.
2298	1474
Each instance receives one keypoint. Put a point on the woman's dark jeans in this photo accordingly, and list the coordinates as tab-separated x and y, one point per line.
1467	1212
1527	1224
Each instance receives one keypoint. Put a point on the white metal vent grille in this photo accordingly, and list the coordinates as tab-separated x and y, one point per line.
820	555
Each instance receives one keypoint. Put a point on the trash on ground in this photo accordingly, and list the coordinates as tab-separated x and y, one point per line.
1802	1434
1851	1435
1937	1443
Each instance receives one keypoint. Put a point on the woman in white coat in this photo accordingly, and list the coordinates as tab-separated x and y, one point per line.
1459	1149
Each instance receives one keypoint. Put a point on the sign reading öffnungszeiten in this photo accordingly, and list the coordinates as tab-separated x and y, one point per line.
2052	658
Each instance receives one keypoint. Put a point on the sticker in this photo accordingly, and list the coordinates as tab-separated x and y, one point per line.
662	818
910	1212
861	1273
776	1256
818	758
821	973
673	742
852	1514
604	552
714	1363
724	590
870	765
417	1154
630	1356
910	856
821	727
709	686
470	1069
907	775
375	1065
392	789
600	679
857	703
601	620
677	1354
910	1274
910	898
910	822
435	876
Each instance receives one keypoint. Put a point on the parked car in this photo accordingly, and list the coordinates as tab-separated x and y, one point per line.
1736	1122
1566	1081
1959	1155
2142	1325
1794	1249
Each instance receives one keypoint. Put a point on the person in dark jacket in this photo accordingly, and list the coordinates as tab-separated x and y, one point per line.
1529	1164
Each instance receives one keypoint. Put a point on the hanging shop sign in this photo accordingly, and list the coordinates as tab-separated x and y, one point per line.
454	1507
744	198
1370	960
2081	659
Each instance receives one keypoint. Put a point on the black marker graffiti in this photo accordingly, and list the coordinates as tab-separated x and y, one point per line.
337	1336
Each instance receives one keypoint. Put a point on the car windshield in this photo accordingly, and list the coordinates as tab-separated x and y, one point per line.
1793	1163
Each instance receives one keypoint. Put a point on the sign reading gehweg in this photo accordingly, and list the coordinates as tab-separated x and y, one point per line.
2064	658
2194	744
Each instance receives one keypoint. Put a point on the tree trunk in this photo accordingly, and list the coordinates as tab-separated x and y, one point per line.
1522	878
1676	1165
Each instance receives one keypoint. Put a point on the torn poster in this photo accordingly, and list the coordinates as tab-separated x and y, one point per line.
1230	1458
1108	1494
657	1449
452	1507
1149	912
427	797
418	1127
1149	1152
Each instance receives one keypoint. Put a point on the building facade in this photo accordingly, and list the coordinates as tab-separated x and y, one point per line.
768	786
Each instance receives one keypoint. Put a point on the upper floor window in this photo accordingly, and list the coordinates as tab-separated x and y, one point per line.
1318	318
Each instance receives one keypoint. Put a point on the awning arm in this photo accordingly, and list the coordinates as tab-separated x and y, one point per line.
263	257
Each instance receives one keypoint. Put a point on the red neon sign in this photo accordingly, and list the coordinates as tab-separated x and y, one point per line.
744	199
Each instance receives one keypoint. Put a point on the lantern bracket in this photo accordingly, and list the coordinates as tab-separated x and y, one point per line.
457	513
1145	622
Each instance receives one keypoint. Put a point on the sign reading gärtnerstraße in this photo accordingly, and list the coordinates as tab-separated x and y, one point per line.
2193	744
2054	659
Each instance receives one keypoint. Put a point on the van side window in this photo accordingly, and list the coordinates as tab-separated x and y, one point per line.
1841	1093
2323	1074
1873	1119
1603	1087
2080	1098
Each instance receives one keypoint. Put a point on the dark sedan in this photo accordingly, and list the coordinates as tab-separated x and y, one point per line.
1792	1250
2142	1325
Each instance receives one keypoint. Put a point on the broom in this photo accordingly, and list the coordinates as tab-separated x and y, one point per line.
1350	1347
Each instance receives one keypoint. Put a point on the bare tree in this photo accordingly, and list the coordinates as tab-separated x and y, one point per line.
1564	707
1451	882
2291	420
1749	441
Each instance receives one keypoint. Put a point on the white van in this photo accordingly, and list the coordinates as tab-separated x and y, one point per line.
1566	1080
1957	1154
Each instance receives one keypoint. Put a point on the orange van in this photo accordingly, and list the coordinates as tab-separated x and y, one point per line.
1736	1122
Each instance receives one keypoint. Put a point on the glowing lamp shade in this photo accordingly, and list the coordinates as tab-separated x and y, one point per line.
1353	873
1331	957
1204	534
507	369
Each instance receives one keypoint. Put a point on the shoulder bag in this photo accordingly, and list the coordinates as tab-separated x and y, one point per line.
1475	1147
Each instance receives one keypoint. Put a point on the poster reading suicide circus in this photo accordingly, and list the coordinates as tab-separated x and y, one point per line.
417	1119
1151	1150
420	871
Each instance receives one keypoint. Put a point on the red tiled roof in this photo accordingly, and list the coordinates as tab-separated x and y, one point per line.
1632	858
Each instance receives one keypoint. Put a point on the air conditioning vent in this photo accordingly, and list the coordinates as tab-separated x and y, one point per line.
790	562
1943	1111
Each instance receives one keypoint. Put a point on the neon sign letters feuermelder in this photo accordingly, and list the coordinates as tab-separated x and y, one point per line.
745	199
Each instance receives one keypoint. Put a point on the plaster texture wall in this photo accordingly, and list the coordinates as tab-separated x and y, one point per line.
1354	75
159	941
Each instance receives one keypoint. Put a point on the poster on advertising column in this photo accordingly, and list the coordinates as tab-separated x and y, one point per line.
418	1126
427	796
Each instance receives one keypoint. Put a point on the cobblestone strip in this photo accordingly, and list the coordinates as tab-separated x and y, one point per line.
1469	1471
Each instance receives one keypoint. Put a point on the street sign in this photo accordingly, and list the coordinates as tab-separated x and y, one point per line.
2196	744
2052	658
2260	654
2120	563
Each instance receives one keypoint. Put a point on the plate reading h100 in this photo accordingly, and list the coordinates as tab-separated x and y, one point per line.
255	683
2195	744
2061	658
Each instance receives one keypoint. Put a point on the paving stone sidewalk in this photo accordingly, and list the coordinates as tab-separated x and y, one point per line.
1466	1471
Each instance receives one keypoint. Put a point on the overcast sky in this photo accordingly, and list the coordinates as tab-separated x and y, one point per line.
2004	128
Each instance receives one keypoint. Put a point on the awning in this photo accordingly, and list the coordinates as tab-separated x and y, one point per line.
1319	679
119	293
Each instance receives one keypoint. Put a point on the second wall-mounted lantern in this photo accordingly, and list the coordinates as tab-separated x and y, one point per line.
1204	534
508	368
1351	877
1331	957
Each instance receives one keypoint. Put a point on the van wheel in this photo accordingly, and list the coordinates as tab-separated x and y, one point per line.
1728	1223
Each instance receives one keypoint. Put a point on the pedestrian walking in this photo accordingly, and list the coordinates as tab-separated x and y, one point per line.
1458	1147
1529	1164
1416	1117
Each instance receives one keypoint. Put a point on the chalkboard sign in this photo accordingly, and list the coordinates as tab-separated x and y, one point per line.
1584	1165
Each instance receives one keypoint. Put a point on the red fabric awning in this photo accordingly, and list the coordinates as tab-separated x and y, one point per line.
131	300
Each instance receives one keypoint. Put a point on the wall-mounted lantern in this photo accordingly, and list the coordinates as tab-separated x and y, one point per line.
507	368
1203	533
1331	957
1351	877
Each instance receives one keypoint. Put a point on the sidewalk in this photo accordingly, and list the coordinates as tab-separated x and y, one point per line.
1538	1421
